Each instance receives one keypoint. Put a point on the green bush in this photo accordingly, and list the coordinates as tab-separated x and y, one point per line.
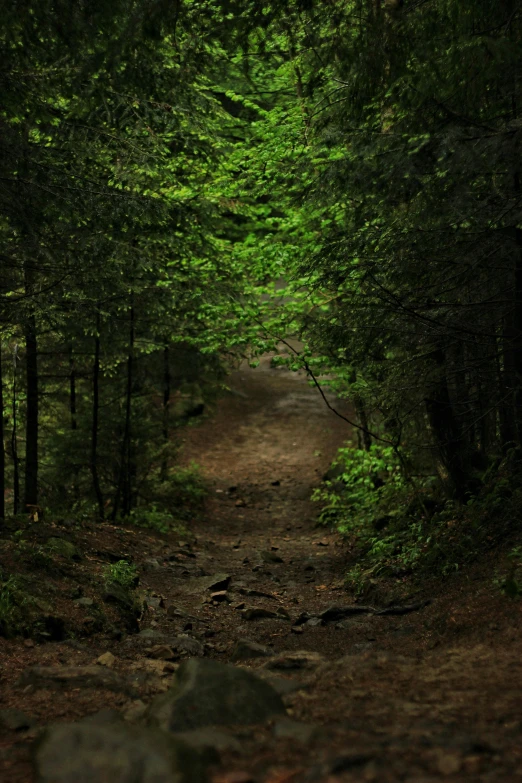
121	573
15	606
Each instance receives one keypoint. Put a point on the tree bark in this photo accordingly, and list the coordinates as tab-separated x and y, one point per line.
95	418
166	409
446	431
124	488
14	443
31	418
2	452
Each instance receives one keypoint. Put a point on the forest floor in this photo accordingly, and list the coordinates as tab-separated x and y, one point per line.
429	690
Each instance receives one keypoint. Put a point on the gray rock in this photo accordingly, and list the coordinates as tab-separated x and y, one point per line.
294	661
215	583
314	622
57	677
205	738
208	693
119	753
103	717
15	720
258	613
334	613
271	557
285	687
245	649
84	602
292	729
60	546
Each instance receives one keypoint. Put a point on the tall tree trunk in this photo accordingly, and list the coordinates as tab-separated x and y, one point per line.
446	431
166	410
14	442
2	452
31	419
72	412
95	418
125	481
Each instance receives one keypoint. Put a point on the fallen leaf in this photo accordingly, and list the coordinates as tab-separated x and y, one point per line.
284	775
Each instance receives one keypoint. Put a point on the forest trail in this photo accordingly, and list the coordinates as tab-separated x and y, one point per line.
419	693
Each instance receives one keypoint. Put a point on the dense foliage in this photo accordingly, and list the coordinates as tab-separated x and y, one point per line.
183	182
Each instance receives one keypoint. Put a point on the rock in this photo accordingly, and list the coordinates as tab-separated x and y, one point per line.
15	720
151	564
314	622
29	643
84	602
126	603
294	661
103	717
56	677
258	613
135	711
215	583
297	629
271	557
209	693
202	739
334	613
107	659
220	597
248	591
118	753
282	686
245	649
292	729
63	548
162	652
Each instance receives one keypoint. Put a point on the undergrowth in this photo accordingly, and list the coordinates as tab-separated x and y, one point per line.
173	503
399	527
15	606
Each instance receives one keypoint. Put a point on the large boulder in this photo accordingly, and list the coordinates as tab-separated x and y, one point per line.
116	753
208	693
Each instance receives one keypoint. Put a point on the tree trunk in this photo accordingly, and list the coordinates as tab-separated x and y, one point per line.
95	418
446	431
2	452
125	481
31	419
72	412
14	443
166	410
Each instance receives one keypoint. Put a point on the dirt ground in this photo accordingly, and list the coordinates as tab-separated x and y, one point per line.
429	690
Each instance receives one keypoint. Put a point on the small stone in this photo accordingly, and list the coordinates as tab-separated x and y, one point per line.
84	602
297	629
292	661
449	763
15	720
29	643
221	596
291	729
245	649
314	622
271	557
240	503
107	659
135	711
162	652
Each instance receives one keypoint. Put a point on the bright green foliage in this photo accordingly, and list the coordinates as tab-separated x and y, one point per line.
121	573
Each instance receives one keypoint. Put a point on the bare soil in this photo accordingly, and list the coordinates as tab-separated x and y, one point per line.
432	694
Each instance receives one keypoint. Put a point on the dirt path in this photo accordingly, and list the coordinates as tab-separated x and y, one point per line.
425	695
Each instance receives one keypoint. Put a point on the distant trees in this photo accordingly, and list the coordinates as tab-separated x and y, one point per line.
405	221
112	246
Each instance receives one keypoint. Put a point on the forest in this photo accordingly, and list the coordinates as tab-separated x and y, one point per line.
198	193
